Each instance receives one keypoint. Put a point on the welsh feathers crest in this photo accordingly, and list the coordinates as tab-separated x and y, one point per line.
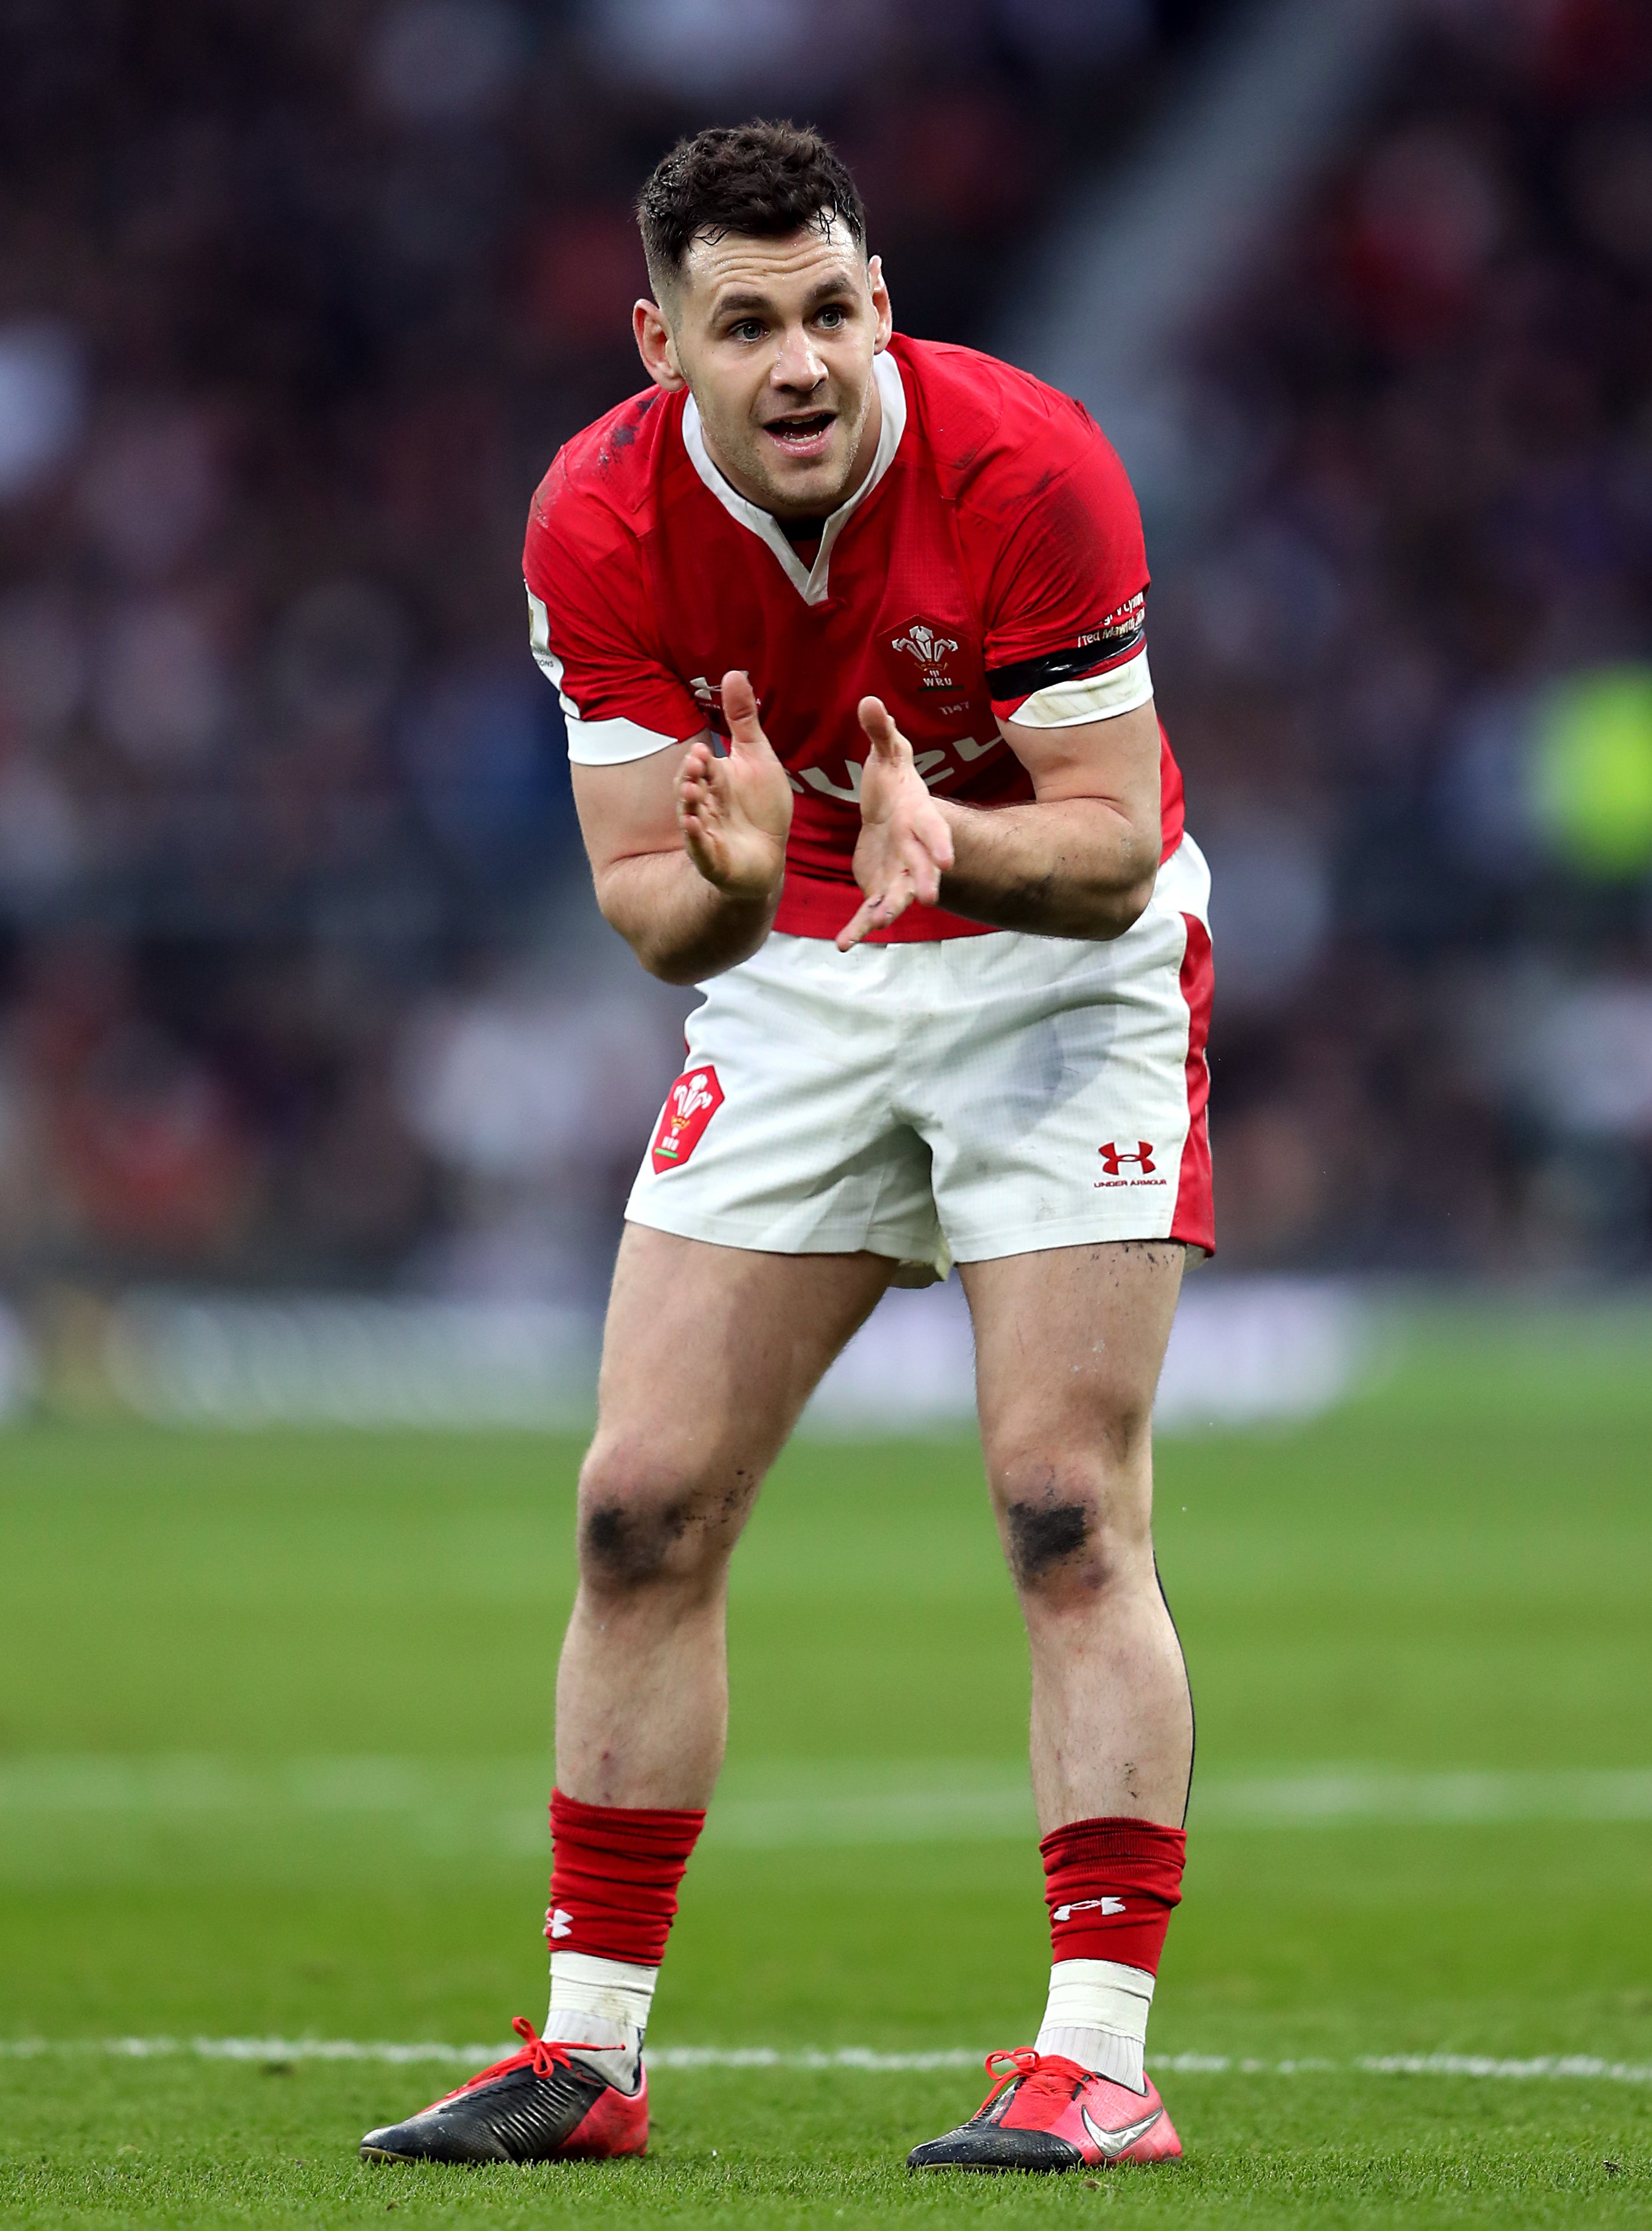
922	642
930	649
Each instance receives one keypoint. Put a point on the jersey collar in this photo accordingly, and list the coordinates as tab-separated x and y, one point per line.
810	582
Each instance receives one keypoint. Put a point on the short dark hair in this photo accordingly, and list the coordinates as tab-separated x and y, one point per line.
764	179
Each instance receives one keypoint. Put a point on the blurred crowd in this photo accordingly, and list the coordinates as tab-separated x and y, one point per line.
298	974
298	977
1409	670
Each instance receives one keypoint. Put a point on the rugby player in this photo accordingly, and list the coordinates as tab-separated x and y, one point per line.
848	632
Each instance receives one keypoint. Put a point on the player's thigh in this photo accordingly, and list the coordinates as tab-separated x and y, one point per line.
1069	1345
709	1354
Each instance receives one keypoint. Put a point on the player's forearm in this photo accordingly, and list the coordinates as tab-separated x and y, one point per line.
1070	867
681	927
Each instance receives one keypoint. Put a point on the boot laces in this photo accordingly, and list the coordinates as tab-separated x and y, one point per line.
1010	2067
1007	2065
537	2052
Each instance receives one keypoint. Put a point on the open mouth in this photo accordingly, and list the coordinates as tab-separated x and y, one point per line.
808	435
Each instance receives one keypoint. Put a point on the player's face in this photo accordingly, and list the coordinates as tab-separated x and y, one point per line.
776	339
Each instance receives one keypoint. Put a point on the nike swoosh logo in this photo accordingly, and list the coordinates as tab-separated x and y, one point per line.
1113	2142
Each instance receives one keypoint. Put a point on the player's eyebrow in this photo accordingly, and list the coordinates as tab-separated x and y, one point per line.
746	300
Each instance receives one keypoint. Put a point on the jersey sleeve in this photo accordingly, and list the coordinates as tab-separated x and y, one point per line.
588	628
1066	634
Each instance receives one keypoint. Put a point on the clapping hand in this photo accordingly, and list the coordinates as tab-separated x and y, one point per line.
905	845
734	812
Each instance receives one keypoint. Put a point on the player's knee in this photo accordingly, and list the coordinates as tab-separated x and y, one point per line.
641	1525
1070	1542
626	1544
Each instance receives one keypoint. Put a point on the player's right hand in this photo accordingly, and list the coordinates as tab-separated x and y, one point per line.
734	812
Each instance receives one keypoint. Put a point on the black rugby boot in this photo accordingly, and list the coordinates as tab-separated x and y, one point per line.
540	2105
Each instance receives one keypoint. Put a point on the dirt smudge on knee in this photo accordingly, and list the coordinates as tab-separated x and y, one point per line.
632	1545
1044	1534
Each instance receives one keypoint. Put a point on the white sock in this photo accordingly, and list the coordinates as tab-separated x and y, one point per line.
603	2004
1097	2015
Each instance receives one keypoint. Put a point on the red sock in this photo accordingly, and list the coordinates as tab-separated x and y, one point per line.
614	1873
1110	1886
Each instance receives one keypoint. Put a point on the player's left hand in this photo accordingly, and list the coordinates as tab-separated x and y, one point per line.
905	846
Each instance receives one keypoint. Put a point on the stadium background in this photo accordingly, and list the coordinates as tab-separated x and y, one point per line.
320	1084
300	984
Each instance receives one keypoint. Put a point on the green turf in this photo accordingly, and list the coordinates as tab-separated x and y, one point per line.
1450	1574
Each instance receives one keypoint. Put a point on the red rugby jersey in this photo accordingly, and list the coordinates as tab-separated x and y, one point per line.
990	563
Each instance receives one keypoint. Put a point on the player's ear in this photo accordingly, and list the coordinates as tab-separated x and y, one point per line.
656	346
880	300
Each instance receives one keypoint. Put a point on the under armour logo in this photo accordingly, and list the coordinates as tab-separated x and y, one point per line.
559	1922
1088	1906
1112	1155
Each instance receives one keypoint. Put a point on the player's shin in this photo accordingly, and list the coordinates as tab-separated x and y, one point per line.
615	1872
1111	1886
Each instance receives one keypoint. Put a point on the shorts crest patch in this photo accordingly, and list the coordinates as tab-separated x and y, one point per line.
689	1105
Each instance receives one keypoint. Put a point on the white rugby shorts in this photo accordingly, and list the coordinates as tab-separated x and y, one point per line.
956	1100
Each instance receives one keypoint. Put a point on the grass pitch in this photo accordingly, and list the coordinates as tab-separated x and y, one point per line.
274	1726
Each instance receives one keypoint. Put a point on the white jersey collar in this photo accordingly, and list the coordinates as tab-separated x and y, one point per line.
810	582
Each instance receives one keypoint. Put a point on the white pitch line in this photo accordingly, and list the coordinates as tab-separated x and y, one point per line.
1540	2067
455	1809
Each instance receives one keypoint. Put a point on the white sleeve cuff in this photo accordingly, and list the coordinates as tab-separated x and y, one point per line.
611	743
1098	697
591	743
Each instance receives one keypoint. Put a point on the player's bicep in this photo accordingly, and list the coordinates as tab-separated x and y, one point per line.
629	807
1115	761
